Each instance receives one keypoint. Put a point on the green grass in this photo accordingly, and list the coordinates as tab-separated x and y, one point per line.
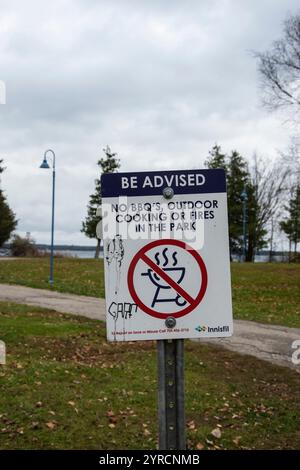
267	293
64	386
76	276
263	292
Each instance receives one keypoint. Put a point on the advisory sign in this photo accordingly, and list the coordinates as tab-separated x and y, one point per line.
166	255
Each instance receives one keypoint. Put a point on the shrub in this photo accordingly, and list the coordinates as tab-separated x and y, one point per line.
23	246
295	257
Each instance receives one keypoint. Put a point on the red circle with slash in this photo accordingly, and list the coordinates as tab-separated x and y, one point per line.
141	255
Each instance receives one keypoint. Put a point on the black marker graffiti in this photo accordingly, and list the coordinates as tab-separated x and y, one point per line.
115	252
122	309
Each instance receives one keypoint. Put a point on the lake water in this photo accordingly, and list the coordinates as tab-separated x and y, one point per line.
88	254
262	258
80	253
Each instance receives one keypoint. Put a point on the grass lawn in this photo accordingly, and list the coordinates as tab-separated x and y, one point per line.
267	292
64	386
73	275
263	292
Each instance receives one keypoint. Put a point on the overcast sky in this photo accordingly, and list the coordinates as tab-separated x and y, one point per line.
160	81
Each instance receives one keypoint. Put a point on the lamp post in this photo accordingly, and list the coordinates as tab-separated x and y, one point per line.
244	197
46	166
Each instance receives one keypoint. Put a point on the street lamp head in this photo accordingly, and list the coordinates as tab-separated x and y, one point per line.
45	164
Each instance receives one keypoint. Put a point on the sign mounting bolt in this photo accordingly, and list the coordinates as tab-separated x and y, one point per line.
168	193
170	322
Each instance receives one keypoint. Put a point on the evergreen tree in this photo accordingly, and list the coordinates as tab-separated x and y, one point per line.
216	159
264	187
108	164
8	220
237	176
291	225
237	181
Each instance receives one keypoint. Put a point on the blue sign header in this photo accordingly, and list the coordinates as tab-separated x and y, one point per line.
151	183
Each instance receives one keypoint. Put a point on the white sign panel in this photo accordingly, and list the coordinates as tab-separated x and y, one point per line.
166	255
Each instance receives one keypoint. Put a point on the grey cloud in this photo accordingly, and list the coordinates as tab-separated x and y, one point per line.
159	81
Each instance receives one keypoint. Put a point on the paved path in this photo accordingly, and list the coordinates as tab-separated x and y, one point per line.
90	307
268	342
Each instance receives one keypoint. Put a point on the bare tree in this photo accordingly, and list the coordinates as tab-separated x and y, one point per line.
291	159
279	69
269	184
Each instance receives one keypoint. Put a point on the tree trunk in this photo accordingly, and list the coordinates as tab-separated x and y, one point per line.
250	253
97	251
250	249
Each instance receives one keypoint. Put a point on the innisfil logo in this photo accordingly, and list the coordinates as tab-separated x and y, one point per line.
212	329
200	329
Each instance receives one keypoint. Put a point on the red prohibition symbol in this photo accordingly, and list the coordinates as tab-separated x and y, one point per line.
141	255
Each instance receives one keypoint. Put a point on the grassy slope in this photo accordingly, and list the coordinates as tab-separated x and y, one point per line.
76	276
65	387
268	293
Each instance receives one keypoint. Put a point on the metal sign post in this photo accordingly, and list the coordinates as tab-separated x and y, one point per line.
171	413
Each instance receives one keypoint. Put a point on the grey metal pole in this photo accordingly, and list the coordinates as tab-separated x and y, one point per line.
51	279
171	410
244	230
46	165
170	359
245	198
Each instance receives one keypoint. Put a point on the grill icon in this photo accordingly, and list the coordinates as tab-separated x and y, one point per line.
162	292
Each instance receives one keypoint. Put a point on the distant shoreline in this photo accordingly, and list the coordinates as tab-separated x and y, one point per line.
69	247
41	246
85	251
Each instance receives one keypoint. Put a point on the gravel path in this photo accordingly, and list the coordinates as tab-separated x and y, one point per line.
268	342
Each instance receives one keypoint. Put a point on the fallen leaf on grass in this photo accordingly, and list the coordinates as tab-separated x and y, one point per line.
236	440
191	424
112	417
216	433
199	446
51	425
209	442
